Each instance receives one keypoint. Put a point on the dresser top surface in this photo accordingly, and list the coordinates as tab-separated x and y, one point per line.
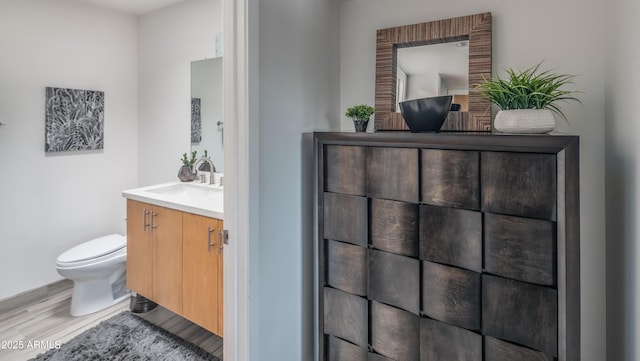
543	143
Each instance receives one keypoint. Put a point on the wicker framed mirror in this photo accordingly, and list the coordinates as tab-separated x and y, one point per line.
474	28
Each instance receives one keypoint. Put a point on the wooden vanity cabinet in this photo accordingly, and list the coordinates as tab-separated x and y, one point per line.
154	253
447	246
174	258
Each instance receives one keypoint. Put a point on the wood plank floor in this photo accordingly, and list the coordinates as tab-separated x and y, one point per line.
42	318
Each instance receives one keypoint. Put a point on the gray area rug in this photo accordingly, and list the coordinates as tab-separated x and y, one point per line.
126	337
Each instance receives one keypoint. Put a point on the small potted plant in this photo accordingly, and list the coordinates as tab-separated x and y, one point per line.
527	99
186	173
360	115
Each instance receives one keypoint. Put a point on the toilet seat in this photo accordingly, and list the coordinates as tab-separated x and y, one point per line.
94	251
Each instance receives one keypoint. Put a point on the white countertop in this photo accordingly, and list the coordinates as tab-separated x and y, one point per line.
192	197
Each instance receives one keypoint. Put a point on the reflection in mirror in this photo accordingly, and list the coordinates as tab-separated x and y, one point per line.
207	127
433	70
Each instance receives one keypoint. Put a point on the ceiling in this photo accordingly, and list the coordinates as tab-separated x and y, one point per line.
137	7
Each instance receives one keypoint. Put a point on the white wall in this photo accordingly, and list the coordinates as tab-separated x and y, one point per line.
567	36
423	85
169	39
50	202
622	127
571	41
297	76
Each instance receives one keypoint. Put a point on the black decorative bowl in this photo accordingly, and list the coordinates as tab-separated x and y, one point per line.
426	114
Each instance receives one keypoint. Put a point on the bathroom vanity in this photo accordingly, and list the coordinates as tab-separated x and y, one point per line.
447	246
175	249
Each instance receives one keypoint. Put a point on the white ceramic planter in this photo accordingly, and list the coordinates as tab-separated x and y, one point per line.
528	121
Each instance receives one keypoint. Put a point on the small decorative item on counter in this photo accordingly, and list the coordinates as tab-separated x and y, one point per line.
186	172
527	99
426	114
360	115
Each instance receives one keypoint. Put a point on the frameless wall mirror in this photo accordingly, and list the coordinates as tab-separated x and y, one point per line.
443	57
207	126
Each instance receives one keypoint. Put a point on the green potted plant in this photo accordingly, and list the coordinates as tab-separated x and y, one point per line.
186	173
360	115
527	99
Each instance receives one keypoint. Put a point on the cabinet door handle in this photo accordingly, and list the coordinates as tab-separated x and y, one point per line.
220	244
144	219
153	215
209	244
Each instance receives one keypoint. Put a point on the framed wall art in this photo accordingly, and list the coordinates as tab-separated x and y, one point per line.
196	121
74	120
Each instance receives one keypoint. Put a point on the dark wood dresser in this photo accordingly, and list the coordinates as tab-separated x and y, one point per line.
447	247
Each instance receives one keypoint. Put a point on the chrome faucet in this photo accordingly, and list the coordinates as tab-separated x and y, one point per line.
212	167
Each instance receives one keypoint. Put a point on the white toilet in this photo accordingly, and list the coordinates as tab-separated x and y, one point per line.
97	268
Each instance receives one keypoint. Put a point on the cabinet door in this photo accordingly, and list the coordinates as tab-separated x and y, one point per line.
221	284
200	279
139	248
166	235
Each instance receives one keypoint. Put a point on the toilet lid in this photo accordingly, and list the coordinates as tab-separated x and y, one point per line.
94	248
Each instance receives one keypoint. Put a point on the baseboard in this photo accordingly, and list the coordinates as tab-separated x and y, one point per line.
11	303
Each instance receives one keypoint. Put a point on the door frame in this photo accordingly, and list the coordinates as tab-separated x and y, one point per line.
240	177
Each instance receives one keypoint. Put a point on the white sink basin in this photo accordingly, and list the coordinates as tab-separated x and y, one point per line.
186	190
198	198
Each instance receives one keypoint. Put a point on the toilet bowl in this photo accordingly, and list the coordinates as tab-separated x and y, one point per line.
97	269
